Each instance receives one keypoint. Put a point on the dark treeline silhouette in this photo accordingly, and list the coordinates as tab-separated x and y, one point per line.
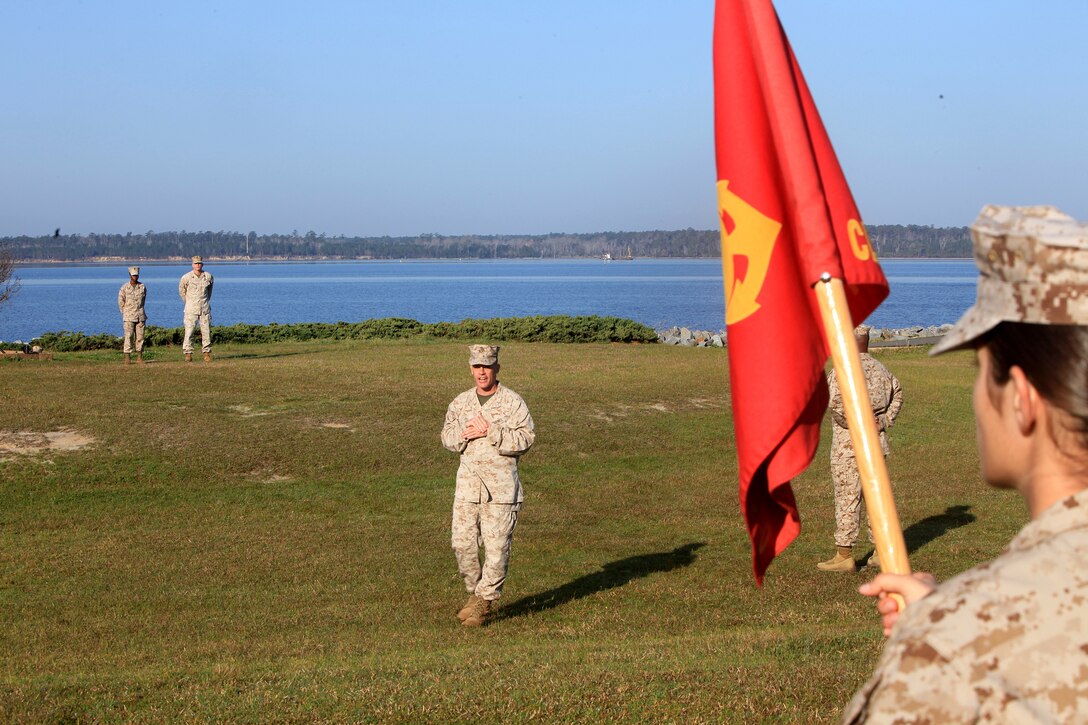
913	240
888	240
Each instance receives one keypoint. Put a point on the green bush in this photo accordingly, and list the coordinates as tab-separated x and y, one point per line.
389	327
155	336
65	341
555	328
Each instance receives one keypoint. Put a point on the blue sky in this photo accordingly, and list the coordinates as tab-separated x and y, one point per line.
400	118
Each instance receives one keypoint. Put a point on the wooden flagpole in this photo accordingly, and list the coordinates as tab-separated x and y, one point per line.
875	486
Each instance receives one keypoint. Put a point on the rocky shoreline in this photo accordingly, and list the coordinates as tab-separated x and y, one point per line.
878	336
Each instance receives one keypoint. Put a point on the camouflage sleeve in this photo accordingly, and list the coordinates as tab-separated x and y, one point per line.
835	404
897	402
914	683
121	299
887	399
183	287
452	430
515	434
208	294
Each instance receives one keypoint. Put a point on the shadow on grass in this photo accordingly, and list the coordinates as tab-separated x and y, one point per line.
265	355
613	574
933	527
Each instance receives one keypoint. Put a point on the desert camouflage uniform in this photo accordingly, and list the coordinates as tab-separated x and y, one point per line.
1003	642
196	292
887	398
130	301
488	495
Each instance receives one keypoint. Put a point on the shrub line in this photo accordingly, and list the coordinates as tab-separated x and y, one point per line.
540	328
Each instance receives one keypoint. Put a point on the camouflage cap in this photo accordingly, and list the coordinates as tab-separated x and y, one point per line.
1033	267
862	331
198	259
133	271
483	354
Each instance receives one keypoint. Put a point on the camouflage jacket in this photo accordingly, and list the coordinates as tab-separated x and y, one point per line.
196	291
886	396
1003	642
130	300
489	465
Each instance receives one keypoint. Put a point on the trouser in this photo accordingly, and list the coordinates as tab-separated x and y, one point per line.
487	526
134	337
205	320
848	507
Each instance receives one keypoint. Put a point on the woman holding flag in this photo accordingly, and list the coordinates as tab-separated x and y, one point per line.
1007	641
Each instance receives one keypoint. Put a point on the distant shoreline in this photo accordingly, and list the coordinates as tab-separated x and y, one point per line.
107	261
888	240
909	336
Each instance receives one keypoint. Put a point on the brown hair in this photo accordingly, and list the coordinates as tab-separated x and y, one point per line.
1053	357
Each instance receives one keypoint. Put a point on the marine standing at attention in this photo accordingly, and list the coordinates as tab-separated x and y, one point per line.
490	426
130	300
195	289
1007	641
886	397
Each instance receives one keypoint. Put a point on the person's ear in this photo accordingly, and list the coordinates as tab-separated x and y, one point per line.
1025	400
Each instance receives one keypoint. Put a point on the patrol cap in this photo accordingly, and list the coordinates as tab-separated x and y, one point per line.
483	354
197	259
1033	267
133	271
862	331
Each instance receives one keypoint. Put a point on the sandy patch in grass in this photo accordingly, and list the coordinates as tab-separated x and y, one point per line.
245	411
267	476
30	443
622	410
330	424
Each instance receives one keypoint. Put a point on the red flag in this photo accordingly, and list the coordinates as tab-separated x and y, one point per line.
787	216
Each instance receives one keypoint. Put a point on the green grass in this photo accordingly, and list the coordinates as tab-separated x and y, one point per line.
265	539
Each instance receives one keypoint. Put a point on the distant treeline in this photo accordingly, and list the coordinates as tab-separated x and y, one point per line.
892	240
913	240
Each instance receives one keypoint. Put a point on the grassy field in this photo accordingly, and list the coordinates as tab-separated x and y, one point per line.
265	539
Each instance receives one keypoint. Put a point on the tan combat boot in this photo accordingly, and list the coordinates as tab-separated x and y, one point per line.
479	613
128	358
188	357
139	358
467	609
207	357
842	561
874	561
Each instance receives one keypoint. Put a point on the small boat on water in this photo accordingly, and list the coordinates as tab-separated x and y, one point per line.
607	257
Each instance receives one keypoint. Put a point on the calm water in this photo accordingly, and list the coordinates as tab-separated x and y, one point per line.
657	292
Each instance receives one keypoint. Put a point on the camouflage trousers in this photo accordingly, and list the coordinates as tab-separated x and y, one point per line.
487	526
191	319
848	508
134	337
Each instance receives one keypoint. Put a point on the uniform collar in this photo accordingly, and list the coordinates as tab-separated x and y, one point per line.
498	387
1065	515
